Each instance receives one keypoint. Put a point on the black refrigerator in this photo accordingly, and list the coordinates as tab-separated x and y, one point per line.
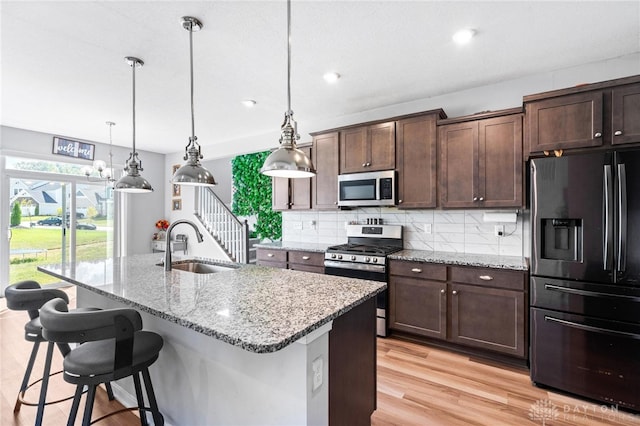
585	275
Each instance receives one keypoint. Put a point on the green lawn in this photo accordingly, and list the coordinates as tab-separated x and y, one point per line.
91	245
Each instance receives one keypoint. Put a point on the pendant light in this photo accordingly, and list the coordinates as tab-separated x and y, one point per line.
133	182
288	161
192	173
104	173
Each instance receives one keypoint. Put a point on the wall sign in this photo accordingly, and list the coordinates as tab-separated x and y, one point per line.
72	148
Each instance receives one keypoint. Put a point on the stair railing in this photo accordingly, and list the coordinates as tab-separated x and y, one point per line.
228	231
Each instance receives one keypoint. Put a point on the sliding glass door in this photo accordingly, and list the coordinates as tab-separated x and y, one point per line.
57	221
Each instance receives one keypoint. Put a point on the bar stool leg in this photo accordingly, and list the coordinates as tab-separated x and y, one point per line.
109	391
140	397
158	420
45	384
88	408
27	376
74	407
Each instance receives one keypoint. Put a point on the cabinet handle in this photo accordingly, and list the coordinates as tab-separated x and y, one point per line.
454	292
597	135
475	198
416	270
618	133
269	254
442	291
368	164
481	198
305	257
399	201
364	164
486	277
335	203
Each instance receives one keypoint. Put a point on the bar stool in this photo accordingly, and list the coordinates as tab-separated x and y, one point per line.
113	346
30	296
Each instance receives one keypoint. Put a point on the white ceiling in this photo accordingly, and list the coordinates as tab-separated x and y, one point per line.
63	70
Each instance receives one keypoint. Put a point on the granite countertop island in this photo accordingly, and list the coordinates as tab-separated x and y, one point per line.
259	309
247	344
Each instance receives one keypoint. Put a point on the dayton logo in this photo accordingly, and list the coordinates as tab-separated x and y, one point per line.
543	410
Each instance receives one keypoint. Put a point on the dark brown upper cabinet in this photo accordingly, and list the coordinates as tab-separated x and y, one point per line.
416	158
480	163
368	148
292	194
592	116
326	160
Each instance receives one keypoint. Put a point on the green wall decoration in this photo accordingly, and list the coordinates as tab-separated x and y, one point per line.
252	194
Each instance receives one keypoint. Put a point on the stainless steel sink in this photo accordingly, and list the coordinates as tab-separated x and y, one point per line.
200	267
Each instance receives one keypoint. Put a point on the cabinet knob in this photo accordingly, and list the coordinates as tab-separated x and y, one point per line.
269	254
364	164
475	198
618	133
442	291
290	204
454	292
597	135
486	277
399	201
305	257
335	203
368	164
481	198
416	270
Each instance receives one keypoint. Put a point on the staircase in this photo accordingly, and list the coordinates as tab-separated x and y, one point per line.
225	228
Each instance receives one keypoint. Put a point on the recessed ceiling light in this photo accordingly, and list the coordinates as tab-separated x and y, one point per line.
464	36
331	77
249	103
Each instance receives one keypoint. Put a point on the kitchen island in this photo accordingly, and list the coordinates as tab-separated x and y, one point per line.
247	344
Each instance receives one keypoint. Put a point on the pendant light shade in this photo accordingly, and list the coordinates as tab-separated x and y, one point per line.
288	161
133	182
192	173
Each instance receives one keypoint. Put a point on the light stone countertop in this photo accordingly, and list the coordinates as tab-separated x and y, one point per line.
516	263
258	308
286	245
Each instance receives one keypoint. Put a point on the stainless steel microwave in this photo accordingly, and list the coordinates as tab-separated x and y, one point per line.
367	189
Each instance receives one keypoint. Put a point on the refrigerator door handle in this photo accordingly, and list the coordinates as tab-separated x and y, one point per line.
622	218
607	229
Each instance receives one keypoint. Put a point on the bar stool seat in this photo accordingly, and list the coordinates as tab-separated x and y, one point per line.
113	346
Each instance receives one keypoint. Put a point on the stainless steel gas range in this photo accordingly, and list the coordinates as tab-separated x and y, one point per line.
365	256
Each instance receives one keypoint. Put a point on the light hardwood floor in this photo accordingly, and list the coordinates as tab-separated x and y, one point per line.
417	385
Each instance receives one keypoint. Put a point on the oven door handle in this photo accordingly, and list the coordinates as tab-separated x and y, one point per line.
592	328
354	266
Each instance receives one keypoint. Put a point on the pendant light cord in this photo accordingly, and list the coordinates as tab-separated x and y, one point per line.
289	112
133	67
193	126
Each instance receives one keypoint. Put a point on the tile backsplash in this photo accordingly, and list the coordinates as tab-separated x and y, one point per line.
459	231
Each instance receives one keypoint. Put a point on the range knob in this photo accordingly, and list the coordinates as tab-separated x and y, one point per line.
333	256
353	257
339	256
375	260
367	259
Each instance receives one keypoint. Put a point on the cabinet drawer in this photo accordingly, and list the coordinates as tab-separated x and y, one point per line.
281	265
272	255
418	270
487	277
306	268
306	258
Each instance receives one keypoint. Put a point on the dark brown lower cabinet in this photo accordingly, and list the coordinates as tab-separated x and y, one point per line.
469	306
299	260
488	318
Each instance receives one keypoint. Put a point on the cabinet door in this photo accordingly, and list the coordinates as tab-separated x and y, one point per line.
416	158
418	306
325	182
572	121
381	139
353	150
500	161
279	193
625	114
488	318
300	189
458	165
